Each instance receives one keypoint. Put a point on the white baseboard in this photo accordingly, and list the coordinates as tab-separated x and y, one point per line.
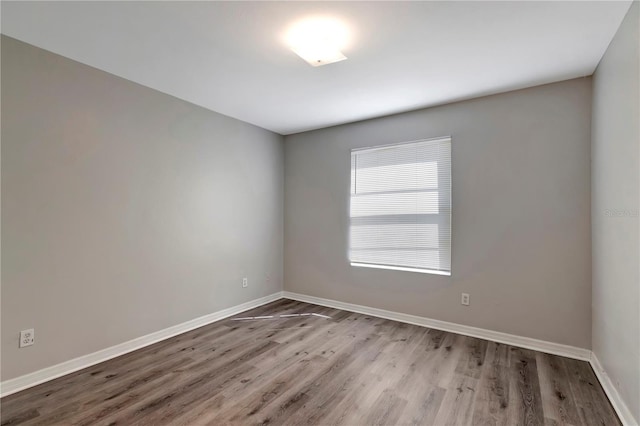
481	333
17	384
618	403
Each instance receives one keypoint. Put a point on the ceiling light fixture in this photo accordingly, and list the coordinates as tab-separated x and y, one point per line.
318	40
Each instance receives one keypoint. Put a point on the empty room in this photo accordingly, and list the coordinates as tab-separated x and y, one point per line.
320	213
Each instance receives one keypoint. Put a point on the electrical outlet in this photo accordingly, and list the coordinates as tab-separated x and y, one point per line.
27	337
465	299
245	282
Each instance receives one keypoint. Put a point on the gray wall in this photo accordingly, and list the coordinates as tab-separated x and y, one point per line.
521	214
615	205
124	210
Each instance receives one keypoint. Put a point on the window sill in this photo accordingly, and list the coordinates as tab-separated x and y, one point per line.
400	268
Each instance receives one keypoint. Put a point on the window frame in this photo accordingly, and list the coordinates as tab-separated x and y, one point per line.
448	139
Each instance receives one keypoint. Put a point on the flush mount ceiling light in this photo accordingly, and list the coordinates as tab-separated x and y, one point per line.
318	40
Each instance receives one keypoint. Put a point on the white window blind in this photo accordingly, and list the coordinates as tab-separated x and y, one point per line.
401	206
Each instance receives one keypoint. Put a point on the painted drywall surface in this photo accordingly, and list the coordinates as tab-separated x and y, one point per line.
125	211
521	214
615	210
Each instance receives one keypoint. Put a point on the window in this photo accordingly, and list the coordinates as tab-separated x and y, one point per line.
401	207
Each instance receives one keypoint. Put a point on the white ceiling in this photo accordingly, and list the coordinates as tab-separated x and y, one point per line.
229	56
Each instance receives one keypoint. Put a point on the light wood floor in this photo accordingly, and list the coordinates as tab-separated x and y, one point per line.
306	364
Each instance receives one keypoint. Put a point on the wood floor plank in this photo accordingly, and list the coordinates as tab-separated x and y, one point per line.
332	376
295	363
189	385
526	387
492	405
101	402
255	404
558	407
423	406
472	357
593	408
457	406
386	409
358	387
